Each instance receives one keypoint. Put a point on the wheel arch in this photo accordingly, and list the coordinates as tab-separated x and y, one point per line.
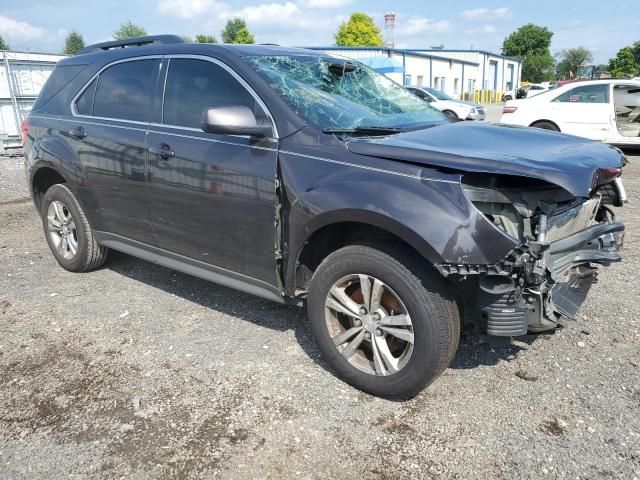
333	230
43	177
543	120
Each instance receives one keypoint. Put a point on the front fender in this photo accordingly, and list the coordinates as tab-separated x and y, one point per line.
429	211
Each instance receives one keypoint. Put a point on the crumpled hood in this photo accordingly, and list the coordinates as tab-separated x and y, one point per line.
567	161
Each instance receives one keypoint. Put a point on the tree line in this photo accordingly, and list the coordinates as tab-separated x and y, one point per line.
529	43
235	31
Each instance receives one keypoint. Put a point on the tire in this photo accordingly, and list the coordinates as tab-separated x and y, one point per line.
68	232
506	98
434	318
450	114
545	125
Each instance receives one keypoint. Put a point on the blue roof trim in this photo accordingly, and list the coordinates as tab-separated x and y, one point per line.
416	53
462	50
421	52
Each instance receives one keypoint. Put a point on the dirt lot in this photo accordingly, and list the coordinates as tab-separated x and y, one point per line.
135	371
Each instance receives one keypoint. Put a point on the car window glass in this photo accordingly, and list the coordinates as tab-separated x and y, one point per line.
84	105
195	85
586	94
123	90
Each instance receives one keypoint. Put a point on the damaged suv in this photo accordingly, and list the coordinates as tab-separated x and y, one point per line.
305	178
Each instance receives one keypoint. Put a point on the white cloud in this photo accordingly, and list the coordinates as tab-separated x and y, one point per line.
190	8
266	13
417	25
17	31
324	3
486	13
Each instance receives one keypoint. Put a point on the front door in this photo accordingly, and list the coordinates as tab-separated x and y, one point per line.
212	196
109	134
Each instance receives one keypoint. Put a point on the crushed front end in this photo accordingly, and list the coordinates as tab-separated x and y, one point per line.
562	239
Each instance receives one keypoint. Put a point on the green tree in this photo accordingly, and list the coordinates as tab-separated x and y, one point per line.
203	38
636	51
129	30
570	59
73	44
4	45
236	31
359	31
531	44
623	64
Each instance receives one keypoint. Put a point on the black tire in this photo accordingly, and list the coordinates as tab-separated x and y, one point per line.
506	98
89	254
434	313
545	125
450	114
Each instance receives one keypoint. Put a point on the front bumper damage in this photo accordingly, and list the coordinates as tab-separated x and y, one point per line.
540	283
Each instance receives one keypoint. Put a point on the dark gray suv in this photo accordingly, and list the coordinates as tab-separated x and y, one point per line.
306	178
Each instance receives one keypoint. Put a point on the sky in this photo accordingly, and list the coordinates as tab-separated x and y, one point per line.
602	26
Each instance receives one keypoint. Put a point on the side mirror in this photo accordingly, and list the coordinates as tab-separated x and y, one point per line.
234	120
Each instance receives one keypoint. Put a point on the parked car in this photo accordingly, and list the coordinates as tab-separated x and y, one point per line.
455	109
309	179
604	110
527	91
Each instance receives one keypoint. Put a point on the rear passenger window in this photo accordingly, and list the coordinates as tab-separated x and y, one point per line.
123	90
195	85
586	94
84	105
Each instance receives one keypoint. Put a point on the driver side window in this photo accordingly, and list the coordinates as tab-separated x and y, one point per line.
194	85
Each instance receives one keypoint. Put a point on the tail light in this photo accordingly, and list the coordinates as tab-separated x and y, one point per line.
509	109
24	128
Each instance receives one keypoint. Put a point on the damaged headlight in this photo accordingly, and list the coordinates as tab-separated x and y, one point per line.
513	204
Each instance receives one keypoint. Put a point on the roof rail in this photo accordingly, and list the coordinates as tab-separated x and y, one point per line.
132	42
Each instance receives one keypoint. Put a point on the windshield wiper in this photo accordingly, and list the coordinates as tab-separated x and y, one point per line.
364	130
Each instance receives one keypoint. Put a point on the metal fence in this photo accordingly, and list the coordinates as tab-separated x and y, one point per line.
22	76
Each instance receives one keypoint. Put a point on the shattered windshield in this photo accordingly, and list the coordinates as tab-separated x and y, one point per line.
331	93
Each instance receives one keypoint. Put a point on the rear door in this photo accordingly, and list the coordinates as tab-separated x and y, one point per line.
212	196
585	110
110	118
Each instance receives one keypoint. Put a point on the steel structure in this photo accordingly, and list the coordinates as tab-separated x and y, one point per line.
22	76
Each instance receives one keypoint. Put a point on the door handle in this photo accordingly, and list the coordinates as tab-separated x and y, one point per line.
78	132
163	151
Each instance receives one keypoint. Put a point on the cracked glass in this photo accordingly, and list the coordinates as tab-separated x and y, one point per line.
331	93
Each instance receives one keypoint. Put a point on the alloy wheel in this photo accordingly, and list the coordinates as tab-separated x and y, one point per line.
369	324
62	230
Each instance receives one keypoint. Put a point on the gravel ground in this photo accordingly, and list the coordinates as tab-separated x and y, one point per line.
135	371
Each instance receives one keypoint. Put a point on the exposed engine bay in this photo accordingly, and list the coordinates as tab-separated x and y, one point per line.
546	278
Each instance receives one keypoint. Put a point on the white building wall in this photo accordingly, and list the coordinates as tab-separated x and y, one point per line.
443	69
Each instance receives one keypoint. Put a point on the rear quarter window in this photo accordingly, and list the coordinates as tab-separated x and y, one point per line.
61	76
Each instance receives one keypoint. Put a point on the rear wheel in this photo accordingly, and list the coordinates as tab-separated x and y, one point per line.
384	327
68	232
545	125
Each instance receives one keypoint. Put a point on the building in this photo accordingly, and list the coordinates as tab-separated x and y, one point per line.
469	74
22	76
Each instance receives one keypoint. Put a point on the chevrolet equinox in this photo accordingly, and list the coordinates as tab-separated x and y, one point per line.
302	177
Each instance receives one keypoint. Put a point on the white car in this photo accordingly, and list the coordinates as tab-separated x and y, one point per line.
450	107
605	110
529	91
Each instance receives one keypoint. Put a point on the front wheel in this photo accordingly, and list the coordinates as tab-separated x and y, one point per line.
384	327
450	114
